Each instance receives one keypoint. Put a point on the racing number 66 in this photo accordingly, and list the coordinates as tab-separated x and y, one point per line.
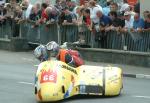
49	77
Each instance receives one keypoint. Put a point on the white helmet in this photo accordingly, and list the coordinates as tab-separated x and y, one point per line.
64	46
40	53
52	46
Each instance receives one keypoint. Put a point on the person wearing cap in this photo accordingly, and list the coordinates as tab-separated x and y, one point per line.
128	20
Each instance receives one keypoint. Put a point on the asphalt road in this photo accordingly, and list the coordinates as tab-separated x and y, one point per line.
17	71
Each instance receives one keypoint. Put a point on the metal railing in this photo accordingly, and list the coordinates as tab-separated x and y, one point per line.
132	41
6	29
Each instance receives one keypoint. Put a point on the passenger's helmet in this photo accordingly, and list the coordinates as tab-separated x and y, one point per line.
64	46
40	53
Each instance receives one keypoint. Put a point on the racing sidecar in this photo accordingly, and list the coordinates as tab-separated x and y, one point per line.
55	80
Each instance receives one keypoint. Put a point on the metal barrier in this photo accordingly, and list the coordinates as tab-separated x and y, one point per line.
131	41
41	34
68	33
48	33
6	29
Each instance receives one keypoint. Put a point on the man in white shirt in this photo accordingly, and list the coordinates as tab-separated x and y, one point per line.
93	10
29	8
128	20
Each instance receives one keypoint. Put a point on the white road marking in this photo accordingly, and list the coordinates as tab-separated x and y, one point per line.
36	65
27	59
27	83
144	97
143	76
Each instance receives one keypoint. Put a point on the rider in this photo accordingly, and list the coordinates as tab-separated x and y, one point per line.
71	57
41	53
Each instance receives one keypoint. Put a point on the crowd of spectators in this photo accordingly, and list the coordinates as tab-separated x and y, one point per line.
98	19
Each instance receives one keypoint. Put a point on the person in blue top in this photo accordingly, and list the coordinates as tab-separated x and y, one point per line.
104	22
138	22
106	9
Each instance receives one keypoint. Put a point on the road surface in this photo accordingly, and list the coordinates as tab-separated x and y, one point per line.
17	70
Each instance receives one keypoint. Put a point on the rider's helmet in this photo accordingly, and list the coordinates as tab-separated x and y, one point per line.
40	53
53	47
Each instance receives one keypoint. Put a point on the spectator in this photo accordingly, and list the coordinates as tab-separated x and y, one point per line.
2	10
70	17
44	17
58	5
79	12
16	22
52	14
9	13
13	4
137	7
116	22
79	22
34	14
47	12
87	19
124	7
17	14
130	9
145	13
71	5
138	22
104	22
2	13
93	10
106	9
128	20
28	7
147	22
114	7
38	9
96	3
61	18
48	2
63	3
86	4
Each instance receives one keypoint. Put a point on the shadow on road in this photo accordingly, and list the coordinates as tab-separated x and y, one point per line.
84	97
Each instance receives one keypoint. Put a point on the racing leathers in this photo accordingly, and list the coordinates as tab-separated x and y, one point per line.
71	57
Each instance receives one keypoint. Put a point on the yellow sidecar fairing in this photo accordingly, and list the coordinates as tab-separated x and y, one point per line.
56	80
